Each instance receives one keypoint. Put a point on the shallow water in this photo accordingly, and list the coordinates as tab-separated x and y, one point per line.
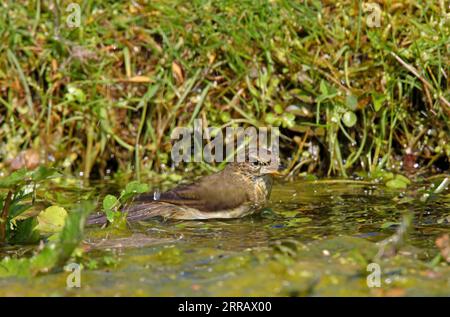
315	239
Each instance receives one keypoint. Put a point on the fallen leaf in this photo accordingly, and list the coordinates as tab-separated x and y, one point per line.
177	72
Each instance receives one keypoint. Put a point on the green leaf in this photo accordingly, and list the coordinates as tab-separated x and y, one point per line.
24	232
396	183
135	187
51	220
402	178
278	109
378	100
75	94
288	120
352	102
72	233
20	177
387	175
225	117
16	178
270	118
111	214
109	202
56	253
349	118
43	173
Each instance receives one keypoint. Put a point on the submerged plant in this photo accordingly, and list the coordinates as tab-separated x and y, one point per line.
15	224
54	254
112	204
19	224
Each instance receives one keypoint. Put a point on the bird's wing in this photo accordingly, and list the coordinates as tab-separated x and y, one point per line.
211	193
138	212
217	192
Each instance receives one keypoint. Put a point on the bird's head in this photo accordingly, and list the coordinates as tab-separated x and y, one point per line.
259	165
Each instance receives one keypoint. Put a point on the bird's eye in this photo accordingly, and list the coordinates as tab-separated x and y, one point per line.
255	163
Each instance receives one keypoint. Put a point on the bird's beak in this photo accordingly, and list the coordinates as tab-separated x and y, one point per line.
273	169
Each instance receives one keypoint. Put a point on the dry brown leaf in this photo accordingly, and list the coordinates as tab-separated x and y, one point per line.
177	72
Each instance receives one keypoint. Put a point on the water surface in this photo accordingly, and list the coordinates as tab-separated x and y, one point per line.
316	238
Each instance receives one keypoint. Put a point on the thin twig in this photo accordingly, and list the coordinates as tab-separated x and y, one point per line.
4	216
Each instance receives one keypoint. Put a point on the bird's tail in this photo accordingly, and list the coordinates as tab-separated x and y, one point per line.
136	212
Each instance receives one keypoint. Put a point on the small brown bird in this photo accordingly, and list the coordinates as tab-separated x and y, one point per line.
238	190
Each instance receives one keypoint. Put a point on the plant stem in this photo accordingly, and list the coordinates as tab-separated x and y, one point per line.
4	216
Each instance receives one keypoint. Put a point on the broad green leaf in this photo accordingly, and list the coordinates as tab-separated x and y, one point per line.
51	220
42	173
278	109
20	177
111	214
402	178
136	188
72	233
272	119
14	179
109	202
387	175
396	183
225	117
349	119
352	102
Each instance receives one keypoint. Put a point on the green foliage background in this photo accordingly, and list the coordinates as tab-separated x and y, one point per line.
105	96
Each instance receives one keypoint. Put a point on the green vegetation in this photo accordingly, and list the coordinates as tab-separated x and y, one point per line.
351	99
105	96
112	204
22	224
316	243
